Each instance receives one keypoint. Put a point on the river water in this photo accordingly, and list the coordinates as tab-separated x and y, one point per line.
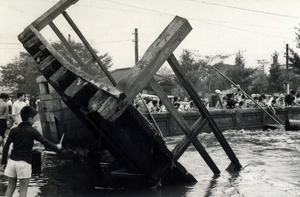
270	160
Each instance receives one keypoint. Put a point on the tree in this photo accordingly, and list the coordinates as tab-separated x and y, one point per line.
294	60
190	68
239	59
84	55
275	78
297	36
261	82
21	74
201	75
241	75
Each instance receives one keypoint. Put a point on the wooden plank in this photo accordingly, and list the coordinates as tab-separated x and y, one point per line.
105	112
203	110
26	35
52	13
33	42
97	101
138	76
46	62
59	74
196	128
75	87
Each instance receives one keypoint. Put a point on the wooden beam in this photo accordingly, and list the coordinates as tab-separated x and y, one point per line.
138	76
190	133
203	110
52	13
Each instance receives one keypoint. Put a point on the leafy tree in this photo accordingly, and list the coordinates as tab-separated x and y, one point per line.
21	74
84	55
241	75
191	69
275	78
202	76
297	36
216	81
261	82
239	59
294	61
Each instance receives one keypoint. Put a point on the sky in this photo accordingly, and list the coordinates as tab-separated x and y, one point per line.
256	28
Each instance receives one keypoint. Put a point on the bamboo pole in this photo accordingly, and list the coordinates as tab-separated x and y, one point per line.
160	132
279	121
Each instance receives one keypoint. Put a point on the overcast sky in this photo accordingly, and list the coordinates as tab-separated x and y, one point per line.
257	28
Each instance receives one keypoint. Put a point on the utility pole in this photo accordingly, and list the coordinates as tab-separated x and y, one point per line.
136	48
287	69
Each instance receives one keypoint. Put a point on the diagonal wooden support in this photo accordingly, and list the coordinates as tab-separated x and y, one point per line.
138	76
203	110
66	44
88	46
190	133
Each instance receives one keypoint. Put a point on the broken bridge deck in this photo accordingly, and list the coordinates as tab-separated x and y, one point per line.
107	110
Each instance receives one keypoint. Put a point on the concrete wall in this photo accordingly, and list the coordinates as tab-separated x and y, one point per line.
227	119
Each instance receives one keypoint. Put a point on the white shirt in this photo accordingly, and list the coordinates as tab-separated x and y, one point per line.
16	109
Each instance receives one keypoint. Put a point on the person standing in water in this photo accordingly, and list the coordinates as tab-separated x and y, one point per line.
18	166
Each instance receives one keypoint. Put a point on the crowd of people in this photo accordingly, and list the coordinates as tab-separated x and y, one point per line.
234	98
149	105
239	100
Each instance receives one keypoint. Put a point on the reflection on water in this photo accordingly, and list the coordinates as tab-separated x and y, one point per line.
270	160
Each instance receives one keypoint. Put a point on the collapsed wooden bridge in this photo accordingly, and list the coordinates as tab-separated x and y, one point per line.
107	110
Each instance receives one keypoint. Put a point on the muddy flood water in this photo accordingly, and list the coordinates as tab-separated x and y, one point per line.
270	160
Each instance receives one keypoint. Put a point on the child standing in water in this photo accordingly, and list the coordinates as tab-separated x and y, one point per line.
19	163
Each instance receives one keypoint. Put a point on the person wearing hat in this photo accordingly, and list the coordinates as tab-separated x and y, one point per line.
215	101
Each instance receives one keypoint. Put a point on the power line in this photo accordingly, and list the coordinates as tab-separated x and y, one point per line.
211	23
10	43
155	11
245	9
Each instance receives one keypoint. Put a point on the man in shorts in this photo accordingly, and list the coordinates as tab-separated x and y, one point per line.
19	163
